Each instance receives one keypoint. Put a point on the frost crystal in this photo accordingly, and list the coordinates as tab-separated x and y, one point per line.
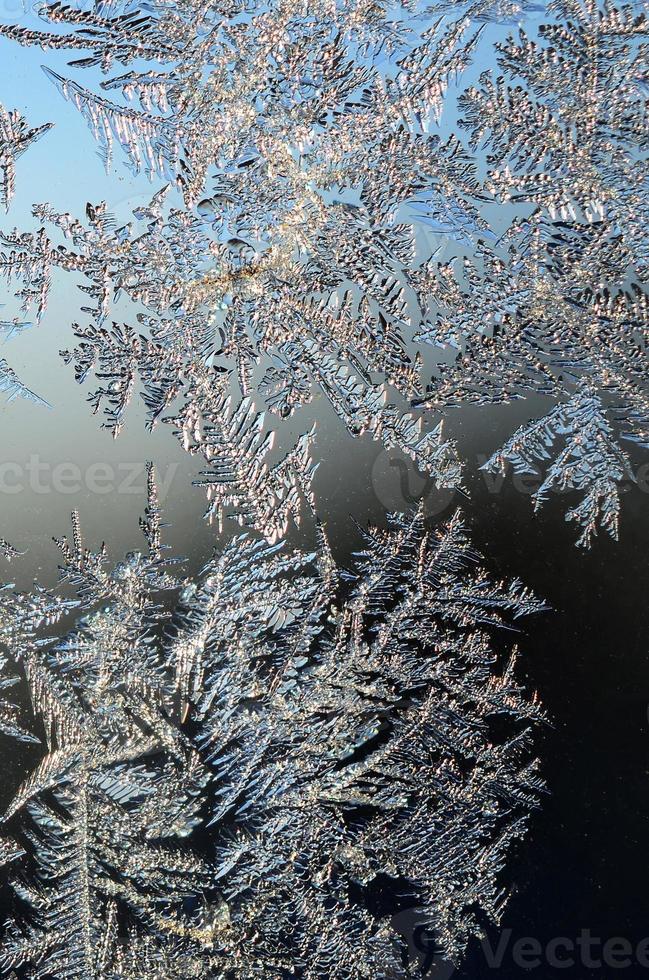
591	461
13	387
15	138
559	307
359	217
8	551
9	724
230	765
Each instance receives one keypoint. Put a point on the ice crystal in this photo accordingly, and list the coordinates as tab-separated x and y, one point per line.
9	724
560	307
13	387
231	763
285	271
10	384
591	461
15	138
8	550
343	230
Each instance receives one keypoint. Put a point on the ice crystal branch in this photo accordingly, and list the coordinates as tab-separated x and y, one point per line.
297	143
560	308
15	138
591	461
13	387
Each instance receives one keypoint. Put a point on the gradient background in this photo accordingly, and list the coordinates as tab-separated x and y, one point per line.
584	864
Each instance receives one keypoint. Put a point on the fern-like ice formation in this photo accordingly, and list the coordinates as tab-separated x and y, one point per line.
15	138
231	764
591	461
353	213
276	265
560	308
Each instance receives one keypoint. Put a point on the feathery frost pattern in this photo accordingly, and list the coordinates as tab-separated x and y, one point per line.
591	461
354	214
253	773
15	138
335	230
230	764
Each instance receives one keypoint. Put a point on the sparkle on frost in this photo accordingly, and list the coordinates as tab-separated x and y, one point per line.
230	765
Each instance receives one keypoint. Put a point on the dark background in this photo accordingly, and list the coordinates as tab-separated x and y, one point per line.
584	865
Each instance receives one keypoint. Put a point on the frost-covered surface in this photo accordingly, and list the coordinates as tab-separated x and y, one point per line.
354	210
229	765
250	773
344	207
